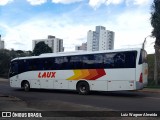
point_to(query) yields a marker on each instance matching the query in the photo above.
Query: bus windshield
(143, 57)
(13, 69)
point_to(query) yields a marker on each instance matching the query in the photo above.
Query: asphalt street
(111, 101)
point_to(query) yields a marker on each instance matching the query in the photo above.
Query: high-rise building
(101, 39)
(82, 47)
(1, 43)
(54, 43)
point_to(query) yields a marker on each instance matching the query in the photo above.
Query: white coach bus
(112, 70)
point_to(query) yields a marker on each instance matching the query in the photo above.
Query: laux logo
(46, 74)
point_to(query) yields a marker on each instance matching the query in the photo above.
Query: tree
(155, 22)
(4, 62)
(40, 48)
(6, 56)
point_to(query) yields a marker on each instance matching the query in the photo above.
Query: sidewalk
(150, 90)
(4, 80)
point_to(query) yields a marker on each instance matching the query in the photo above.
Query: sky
(22, 21)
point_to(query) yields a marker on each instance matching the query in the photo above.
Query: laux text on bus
(46, 74)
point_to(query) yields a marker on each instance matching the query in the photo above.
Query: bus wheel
(26, 86)
(83, 88)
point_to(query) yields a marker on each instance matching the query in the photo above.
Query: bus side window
(76, 62)
(58, 63)
(130, 59)
(119, 60)
(47, 63)
(88, 62)
(98, 61)
(66, 64)
(108, 60)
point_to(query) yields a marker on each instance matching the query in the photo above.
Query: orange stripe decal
(100, 73)
(87, 74)
(76, 76)
(92, 74)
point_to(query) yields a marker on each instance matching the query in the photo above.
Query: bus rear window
(143, 57)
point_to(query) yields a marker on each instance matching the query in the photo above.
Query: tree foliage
(6, 56)
(4, 62)
(155, 20)
(40, 48)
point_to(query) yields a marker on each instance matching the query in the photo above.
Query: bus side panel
(116, 85)
(46, 83)
(141, 69)
(98, 85)
(145, 74)
(14, 82)
(121, 79)
(60, 84)
(37, 81)
(72, 84)
(31, 77)
(60, 81)
(34, 83)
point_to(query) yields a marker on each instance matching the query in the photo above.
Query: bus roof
(75, 53)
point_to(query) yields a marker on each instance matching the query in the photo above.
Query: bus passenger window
(108, 60)
(88, 62)
(58, 63)
(119, 60)
(98, 61)
(76, 62)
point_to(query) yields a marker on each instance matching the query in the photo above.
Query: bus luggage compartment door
(116, 85)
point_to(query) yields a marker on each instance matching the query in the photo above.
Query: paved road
(68, 100)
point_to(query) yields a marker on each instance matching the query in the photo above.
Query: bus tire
(26, 86)
(83, 88)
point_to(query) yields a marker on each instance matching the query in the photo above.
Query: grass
(154, 87)
(151, 84)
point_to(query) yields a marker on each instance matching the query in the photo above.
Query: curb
(150, 91)
(4, 80)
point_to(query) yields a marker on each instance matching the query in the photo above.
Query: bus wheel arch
(25, 85)
(83, 87)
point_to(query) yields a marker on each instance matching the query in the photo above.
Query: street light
(143, 45)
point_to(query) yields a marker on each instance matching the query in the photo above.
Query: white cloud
(93, 3)
(130, 27)
(66, 1)
(140, 2)
(97, 3)
(4, 2)
(36, 2)
(137, 2)
(114, 1)
(40, 28)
